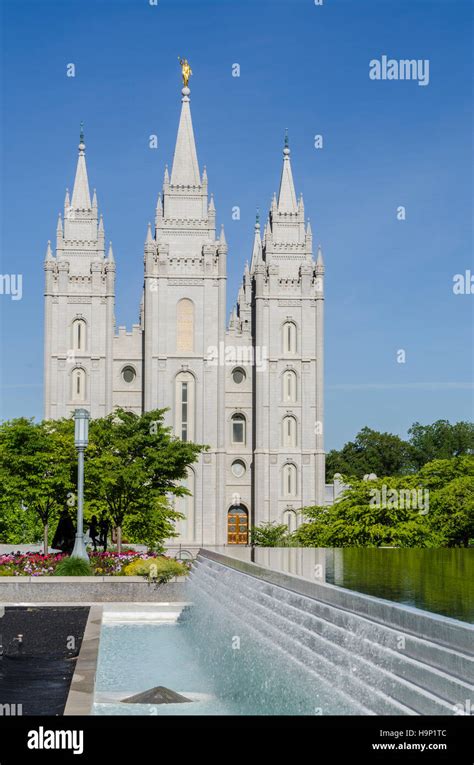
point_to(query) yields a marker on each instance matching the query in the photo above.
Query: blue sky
(389, 283)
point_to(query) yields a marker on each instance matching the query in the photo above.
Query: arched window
(289, 431)
(238, 429)
(184, 411)
(78, 385)
(289, 519)
(185, 326)
(289, 387)
(289, 337)
(289, 480)
(186, 506)
(79, 335)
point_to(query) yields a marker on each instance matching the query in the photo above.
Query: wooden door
(237, 526)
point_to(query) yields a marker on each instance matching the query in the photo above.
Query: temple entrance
(237, 525)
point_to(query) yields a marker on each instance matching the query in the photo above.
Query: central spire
(81, 199)
(185, 171)
(287, 197)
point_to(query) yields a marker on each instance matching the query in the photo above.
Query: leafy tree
(386, 454)
(18, 524)
(438, 473)
(270, 535)
(151, 524)
(370, 452)
(35, 468)
(451, 486)
(132, 463)
(364, 519)
(441, 440)
(452, 512)
(378, 513)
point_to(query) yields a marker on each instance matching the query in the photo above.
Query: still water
(439, 580)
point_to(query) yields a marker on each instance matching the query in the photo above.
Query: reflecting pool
(439, 580)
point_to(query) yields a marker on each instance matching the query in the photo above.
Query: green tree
(35, 468)
(151, 524)
(368, 516)
(132, 463)
(18, 524)
(431, 508)
(441, 440)
(451, 486)
(370, 452)
(452, 512)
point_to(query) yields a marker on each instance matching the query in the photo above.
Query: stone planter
(87, 589)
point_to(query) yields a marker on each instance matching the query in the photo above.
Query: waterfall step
(380, 646)
(323, 676)
(424, 678)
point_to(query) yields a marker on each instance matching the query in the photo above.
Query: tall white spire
(257, 245)
(185, 171)
(81, 199)
(287, 197)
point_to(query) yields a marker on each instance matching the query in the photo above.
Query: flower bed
(102, 563)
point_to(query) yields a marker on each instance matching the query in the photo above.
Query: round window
(238, 375)
(238, 468)
(128, 374)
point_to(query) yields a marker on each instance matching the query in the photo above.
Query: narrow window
(289, 387)
(289, 337)
(184, 411)
(289, 480)
(289, 519)
(289, 431)
(238, 429)
(79, 335)
(78, 385)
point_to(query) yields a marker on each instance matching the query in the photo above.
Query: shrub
(159, 569)
(73, 567)
(271, 535)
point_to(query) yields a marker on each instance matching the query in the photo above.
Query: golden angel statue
(186, 70)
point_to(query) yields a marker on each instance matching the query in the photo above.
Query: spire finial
(82, 145)
(222, 239)
(186, 70)
(149, 235)
(286, 149)
(186, 73)
(257, 220)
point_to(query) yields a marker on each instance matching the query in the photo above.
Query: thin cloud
(403, 386)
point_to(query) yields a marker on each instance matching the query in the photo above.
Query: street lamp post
(81, 439)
